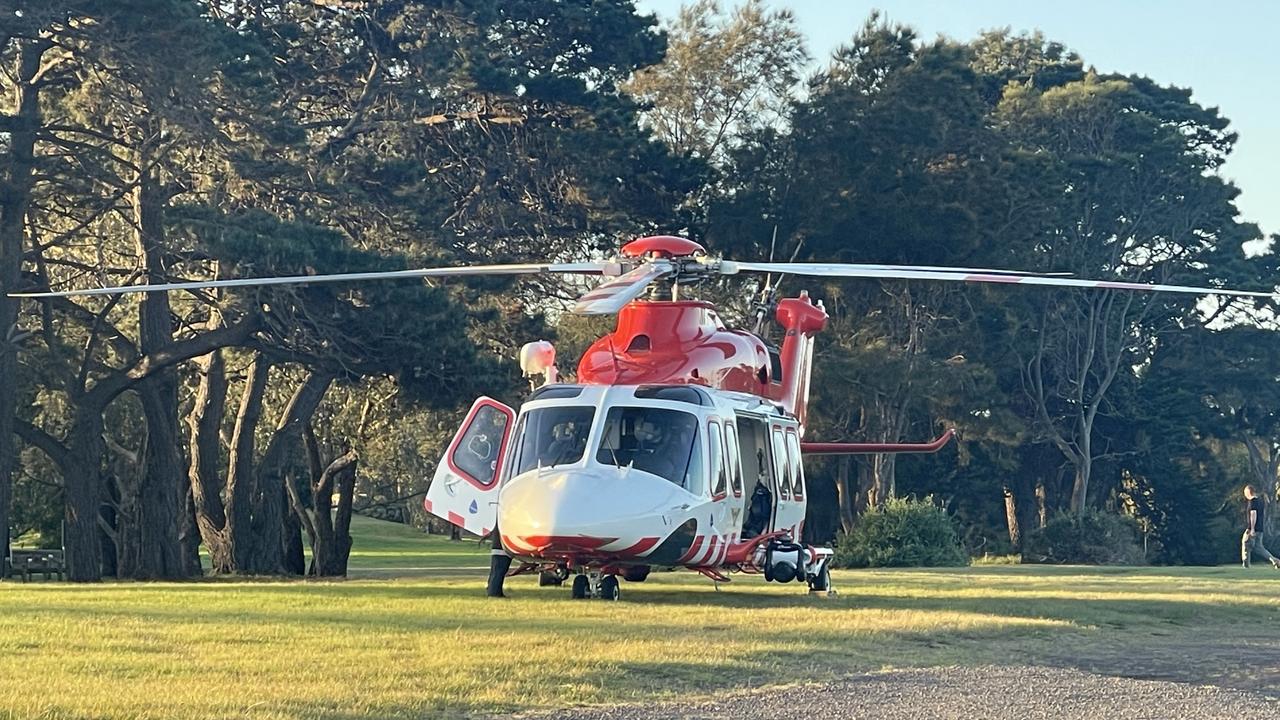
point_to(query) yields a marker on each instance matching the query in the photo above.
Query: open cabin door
(464, 490)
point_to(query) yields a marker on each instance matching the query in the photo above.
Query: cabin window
(476, 453)
(680, 393)
(781, 469)
(639, 344)
(719, 467)
(552, 436)
(733, 453)
(797, 467)
(658, 441)
(556, 392)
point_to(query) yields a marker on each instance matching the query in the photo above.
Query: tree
(1134, 164)
(888, 160)
(723, 77)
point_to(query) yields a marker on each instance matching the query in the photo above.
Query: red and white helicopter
(680, 444)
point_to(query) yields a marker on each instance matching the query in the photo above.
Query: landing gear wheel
(581, 587)
(822, 581)
(609, 589)
(550, 578)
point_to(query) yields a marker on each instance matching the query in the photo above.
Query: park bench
(29, 562)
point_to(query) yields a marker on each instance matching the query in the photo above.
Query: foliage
(902, 533)
(1093, 537)
(724, 75)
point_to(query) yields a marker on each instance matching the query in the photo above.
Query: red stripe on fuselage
(693, 550)
(711, 551)
(566, 542)
(645, 545)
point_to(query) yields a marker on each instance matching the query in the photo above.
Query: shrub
(1090, 538)
(902, 533)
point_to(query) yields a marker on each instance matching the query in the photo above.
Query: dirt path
(956, 693)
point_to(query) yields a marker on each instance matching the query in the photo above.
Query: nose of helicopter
(584, 510)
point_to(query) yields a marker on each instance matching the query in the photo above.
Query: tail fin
(801, 319)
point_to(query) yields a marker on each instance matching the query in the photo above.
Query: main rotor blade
(909, 273)
(609, 297)
(943, 268)
(588, 268)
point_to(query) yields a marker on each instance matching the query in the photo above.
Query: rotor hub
(662, 246)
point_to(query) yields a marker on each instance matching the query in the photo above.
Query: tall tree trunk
(268, 511)
(204, 425)
(161, 501)
(885, 477)
(189, 536)
(845, 494)
(82, 487)
(1080, 487)
(330, 532)
(241, 477)
(1042, 504)
(1023, 508)
(1011, 517)
(295, 559)
(16, 183)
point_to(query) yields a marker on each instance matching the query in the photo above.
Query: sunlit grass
(434, 647)
(401, 548)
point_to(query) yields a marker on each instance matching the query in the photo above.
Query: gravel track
(953, 693)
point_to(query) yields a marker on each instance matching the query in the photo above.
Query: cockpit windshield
(552, 436)
(656, 440)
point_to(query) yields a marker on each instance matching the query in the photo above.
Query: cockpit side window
(719, 467)
(794, 462)
(659, 441)
(733, 456)
(552, 436)
(781, 469)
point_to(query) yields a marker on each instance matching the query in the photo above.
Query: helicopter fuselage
(680, 446)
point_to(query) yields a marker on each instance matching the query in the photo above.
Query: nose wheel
(595, 585)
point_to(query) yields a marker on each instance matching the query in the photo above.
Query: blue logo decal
(474, 508)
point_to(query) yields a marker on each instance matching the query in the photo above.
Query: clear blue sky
(1226, 52)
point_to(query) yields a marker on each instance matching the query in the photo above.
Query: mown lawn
(432, 646)
(391, 548)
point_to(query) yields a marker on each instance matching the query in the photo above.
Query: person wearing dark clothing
(758, 512)
(1251, 542)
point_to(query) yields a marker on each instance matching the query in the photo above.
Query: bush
(902, 533)
(1090, 538)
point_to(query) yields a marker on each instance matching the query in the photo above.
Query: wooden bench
(29, 562)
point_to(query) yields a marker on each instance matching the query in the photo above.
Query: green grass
(387, 547)
(413, 647)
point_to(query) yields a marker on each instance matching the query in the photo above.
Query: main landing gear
(556, 577)
(595, 585)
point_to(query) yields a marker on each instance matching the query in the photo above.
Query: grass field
(431, 646)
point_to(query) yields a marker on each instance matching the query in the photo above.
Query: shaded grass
(433, 647)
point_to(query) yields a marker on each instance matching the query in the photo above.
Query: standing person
(1251, 542)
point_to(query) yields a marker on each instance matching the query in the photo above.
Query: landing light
(539, 358)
